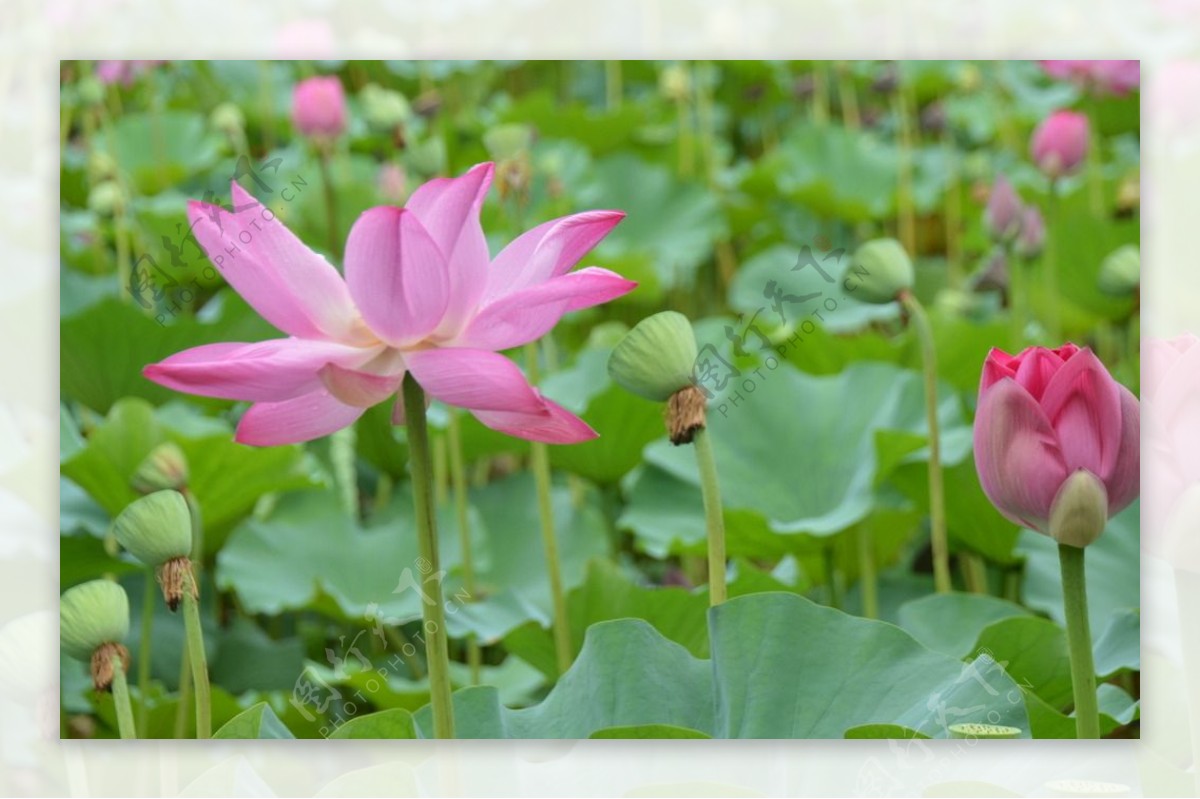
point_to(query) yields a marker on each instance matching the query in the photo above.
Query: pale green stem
(120, 692)
(820, 95)
(437, 651)
(714, 520)
(974, 572)
(195, 654)
(612, 84)
(458, 480)
(335, 244)
(144, 651)
(342, 455)
(185, 693)
(1079, 641)
(906, 210)
(866, 568)
(540, 465)
(937, 491)
(1050, 265)
(829, 563)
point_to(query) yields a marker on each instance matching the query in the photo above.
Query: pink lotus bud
(319, 107)
(1060, 143)
(393, 183)
(1003, 214)
(1044, 416)
(1032, 237)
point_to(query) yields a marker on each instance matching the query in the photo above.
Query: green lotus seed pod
(228, 118)
(156, 528)
(655, 359)
(508, 141)
(91, 614)
(881, 269)
(165, 467)
(983, 731)
(384, 109)
(1121, 271)
(1079, 512)
(106, 198)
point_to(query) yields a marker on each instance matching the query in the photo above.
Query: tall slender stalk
(866, 571)
(185, 667)
(437, 652)
(937, 491)
(335, 243)
(1050, 264)
(714, 520)
(1079, 641)
(612, 85)
(906, 210)
(847, 96)
(196, 657)
(458, 480)
(120, 692)
(150, 590)
(540, 465)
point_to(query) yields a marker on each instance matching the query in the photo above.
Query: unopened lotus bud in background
(1060, 143)
(1003, 214)
(165, 467)
(319, 108)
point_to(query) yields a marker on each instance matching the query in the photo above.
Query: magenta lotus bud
(319, 107)
(1060, 143)
(1032, 236)
(1003, 214)
(1044, 416)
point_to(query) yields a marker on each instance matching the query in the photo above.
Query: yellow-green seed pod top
(656, 358)
(983, 731)
(1121, 271)
(156, 528)
(92, 614)
(880, 271)
(165, 467)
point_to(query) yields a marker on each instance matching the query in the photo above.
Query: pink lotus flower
(1060, 143)
(420, 295)
(319, 107)
(1044, 415)
(1109, 77)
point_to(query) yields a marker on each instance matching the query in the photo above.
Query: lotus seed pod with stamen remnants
(656, 358)
(880, 271)
(156, 528)
(90, 615)
(165, 467)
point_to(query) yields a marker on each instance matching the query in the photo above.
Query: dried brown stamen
(685, 414)
(102, 664)
(175, 576)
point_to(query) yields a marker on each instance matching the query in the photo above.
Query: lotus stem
(458, 480)
(937, 491)
(904, 200)
(1050, 263)
(849, 100)
(196, 657)
(324, 158)
(540, 465)
(866, 568)
(149, 591)
(437, 652)
(612, 84)
(1079, 641)
(714, 520)
(120, 692)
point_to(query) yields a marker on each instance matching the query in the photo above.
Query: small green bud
(983, 731)
(880, 271)
(90, 615)
(656, 358)
(102, 166)
(156, 528)
(1080, 510)
(106, 198)
(674, 82)
(91, 90)
(383, 108)
(508, 141)
(165, 467)
(228, 118)
(1121, 271)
